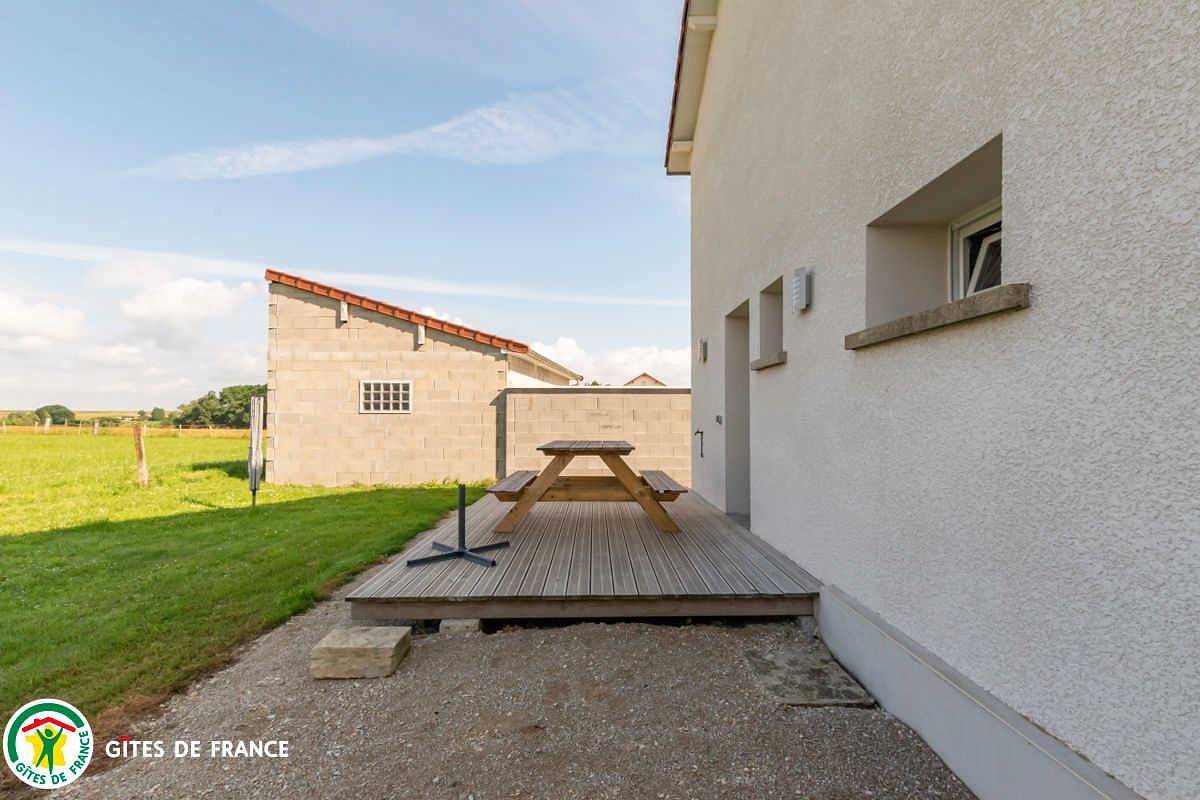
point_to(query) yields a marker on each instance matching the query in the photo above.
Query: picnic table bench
(526, 487)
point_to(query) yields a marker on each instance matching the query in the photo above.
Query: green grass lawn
(110, 593)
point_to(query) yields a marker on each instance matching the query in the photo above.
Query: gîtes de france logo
(47, 743)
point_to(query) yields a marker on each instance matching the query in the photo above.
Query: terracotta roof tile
(378, 306)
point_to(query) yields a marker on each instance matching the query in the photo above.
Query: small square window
(975, 252)
(385, 397)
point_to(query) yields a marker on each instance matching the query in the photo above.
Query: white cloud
(119, 354)
(116, 267)
(29, 326)
(430, 311)
(522, 129)
(671, 366)
(185, 300)
(246, 364)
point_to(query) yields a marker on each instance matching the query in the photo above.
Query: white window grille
(385, 397)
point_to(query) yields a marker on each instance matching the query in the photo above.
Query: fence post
(46, 425)
(139, 447)
(95, 426)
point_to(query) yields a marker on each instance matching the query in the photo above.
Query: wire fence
(88, 428)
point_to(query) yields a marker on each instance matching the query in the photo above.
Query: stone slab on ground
(801, 672)
(359, 652)
(460, 626)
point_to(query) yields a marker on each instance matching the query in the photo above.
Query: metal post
(471, 554)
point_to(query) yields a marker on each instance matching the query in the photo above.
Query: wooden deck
(578, 560)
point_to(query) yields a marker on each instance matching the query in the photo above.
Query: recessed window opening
(941, 243)
(975, 251)
(385, 397)
(770, 320)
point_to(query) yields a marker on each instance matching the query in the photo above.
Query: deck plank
(559, 572)
(579, 582)
(737, 581)
(733, 541)
(539, 566)
(509, 583)
(624, 579)
(463, 575)
(588, 560)
(602, 574)
(669, 582)
(643, 569)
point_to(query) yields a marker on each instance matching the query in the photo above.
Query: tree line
(228, 408)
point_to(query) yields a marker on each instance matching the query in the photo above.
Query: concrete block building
(362, 391)
(945, 281)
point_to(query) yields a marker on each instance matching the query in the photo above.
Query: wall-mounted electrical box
(703, 350)
(801, 289)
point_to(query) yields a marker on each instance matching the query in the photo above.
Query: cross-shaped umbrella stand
(461, 551)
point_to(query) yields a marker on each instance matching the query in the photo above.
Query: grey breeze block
(361, 652)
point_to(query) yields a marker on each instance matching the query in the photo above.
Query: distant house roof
(380, 307)
(432, 323)
(645, 379)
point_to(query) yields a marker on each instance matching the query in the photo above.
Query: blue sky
(497, 162)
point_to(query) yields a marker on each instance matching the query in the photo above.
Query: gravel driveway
(588, 711)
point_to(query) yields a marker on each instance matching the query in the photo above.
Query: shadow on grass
(103, 613)
(234, 469)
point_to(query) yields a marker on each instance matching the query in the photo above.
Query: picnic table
(650, 489)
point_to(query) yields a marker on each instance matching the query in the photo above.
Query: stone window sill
(773, 360)
(1007, 297)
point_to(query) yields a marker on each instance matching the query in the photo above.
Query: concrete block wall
(316, 434)
(657, 421)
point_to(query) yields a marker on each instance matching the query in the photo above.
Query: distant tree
(58, 414)
(201, 411)
(228, 409)
(21, 418)
(158, 414)
(143, 416)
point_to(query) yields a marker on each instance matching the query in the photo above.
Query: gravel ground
(588, 711)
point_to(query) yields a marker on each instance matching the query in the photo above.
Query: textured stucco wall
(1019, 494)
(656, 421)
(316, 434)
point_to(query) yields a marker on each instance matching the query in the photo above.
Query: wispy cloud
(126, 267)
(522, 129)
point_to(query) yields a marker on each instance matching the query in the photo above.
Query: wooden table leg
(533, 493)
(641, 493)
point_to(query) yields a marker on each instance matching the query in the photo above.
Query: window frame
(959, 281)
(406, 390)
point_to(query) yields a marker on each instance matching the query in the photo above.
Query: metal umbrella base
(469, 553)
(461, 551)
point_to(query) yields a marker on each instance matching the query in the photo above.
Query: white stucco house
(946, 317)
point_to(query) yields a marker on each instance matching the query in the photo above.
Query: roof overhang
(387, 309)
(536, 358)
(696, 31)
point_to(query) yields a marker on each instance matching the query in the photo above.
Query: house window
(975, 252)
(385, 397)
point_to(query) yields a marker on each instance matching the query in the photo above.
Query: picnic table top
(586, 447)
